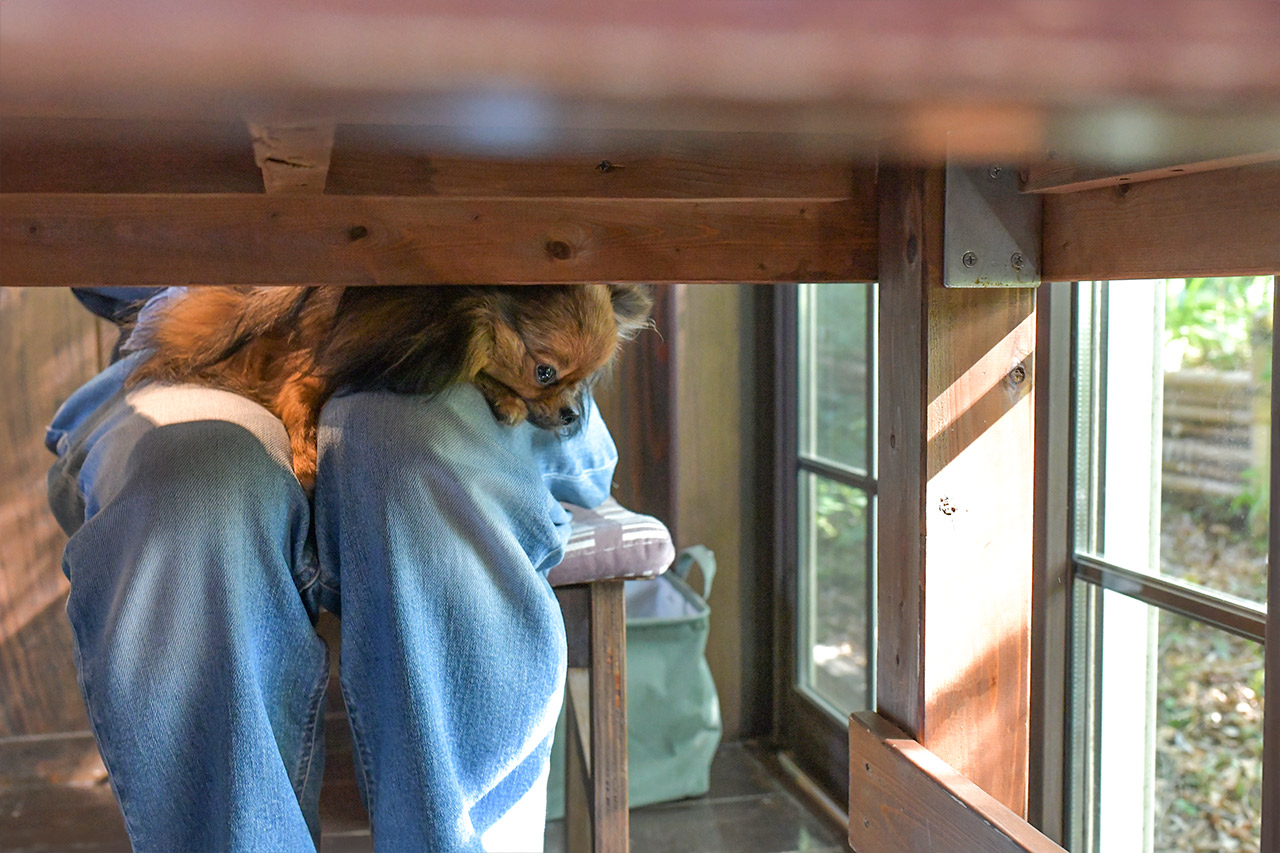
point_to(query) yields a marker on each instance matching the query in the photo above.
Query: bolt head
(994, 172)
(969, 259)
(1018, 260)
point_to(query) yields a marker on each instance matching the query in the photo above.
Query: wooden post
(956, 499)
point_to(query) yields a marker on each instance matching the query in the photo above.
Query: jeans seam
(311, 581)
(308, 733)
(131, 828)
(361, 752)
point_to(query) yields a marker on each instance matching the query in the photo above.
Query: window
(827, 519)
(1172, 440)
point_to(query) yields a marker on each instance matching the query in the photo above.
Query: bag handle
(706, 560)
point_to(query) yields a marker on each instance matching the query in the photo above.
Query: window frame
(805, 729)
(1058, 661)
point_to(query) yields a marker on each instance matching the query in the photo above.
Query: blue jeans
(198, 567)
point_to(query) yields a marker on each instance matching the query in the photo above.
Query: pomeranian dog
(530, 350)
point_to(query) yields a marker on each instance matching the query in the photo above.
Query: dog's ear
(483, 315)
(631, 306)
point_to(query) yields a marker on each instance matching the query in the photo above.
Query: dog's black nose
(568, 416)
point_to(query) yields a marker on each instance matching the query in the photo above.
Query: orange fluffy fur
(530, 350)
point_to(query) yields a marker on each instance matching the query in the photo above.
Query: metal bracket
(991, 231)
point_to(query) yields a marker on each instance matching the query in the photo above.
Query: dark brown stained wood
(156, 156)
(911, 206)
(531, 74)
(608, 680)
(596, 743)
(905, 798)
(48, 347)
(577, 777)
(1225, 222)
(125, 156)
(405, 160)
(1055, 175)
(956, 452)
(245, 239)
(638, 402)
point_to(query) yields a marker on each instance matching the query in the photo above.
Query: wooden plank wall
(683, 409)
(49, 345)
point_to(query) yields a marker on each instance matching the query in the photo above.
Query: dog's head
(538, 348)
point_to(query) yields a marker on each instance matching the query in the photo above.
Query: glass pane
(1178, 750)
(833, 372)
(834, 649)
(1175, 434)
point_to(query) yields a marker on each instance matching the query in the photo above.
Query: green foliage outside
(834, 426)
(1226, 324)
(1209, 711)
(1216, 322)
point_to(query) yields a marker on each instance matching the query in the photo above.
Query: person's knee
(212, 469)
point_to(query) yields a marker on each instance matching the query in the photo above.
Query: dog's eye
(546, 374)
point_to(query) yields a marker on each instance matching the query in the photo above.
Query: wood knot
(559, 249)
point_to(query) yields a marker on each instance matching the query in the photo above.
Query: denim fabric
(198, 566)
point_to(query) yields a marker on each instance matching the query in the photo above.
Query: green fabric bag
(673, 712)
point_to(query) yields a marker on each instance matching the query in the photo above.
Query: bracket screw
(994, 172)
(1017, 260)
(969, 259)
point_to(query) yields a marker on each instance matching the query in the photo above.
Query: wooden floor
(747, 810)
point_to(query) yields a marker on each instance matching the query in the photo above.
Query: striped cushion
(612, 542)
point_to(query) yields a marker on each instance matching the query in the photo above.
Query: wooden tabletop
(1113, 81)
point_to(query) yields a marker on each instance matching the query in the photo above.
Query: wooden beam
(293, 156)
(903, 797)
(955, 519)
(39, 155)
(119, 156)
(1212, 223)
(1055, 175)
(49, 239)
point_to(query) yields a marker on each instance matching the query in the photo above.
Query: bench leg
(596, 747)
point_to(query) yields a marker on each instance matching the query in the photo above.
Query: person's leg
(440, 524)
(189, 565)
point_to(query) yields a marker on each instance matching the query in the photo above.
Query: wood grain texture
(126, 156)
(155, 156)
(956, 451)
(608, 680)
(979, 520)
(1212, 223)
(905, 799)
(409, 160)
(48, 347)
(1055, 175)
(911, 208)
(596, 742)
(49, 239)
(293, 156)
